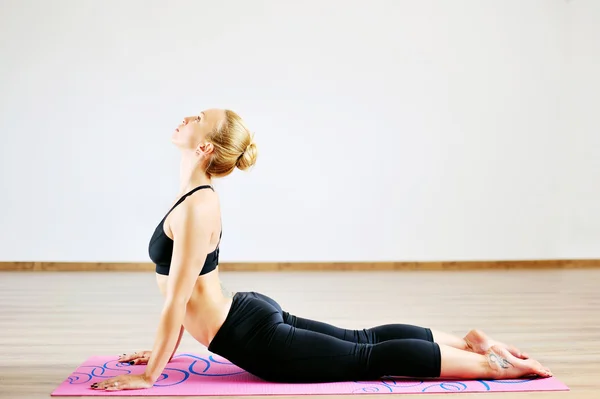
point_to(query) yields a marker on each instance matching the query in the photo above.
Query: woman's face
(194, 129)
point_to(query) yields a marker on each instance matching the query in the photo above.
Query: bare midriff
(207, 308)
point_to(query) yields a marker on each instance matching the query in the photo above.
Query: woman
(250, 329)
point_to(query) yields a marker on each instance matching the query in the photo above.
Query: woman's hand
(139, 357)
(136, 358)
(126, 381)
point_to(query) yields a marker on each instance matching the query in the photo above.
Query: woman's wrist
(149, 377)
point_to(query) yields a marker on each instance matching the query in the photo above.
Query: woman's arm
(178, 342)
(191, 244)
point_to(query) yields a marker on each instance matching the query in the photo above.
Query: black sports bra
(161, 246)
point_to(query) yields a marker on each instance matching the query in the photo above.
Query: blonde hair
(233, 147)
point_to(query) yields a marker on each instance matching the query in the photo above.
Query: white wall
(580, 207)
(388, 130)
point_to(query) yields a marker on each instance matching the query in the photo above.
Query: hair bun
(248, 158)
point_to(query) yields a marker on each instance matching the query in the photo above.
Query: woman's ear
(204, 149)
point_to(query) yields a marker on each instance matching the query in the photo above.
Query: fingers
(134, 358)
(126, 358)
(140, 360)
(122, 382)
(116, 387)
(131, 356)
(111, 384)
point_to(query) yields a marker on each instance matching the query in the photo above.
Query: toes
(543, 372)
(537, 369)
(517, 353)
(547, 372)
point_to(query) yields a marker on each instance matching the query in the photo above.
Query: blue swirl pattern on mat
(175, 378)
(74, 379)
(102, 371)
(208, 364)
(172, 375)
(393, 385)
(386, 385)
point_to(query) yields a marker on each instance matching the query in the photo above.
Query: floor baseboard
(314, 266)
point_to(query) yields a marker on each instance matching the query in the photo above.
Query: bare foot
(480, 343)
(507, 366)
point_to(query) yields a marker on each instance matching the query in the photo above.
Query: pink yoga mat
(190, 374)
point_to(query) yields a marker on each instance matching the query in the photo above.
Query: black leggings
(261, 338)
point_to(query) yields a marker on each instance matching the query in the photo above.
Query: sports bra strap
(183, 197)
(187, 195)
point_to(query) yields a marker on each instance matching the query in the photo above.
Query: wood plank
(314, 266)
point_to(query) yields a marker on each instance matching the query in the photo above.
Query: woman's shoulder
(199, 208)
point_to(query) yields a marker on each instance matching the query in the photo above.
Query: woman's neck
(191, 174)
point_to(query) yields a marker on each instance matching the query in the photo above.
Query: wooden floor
(50, 322)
